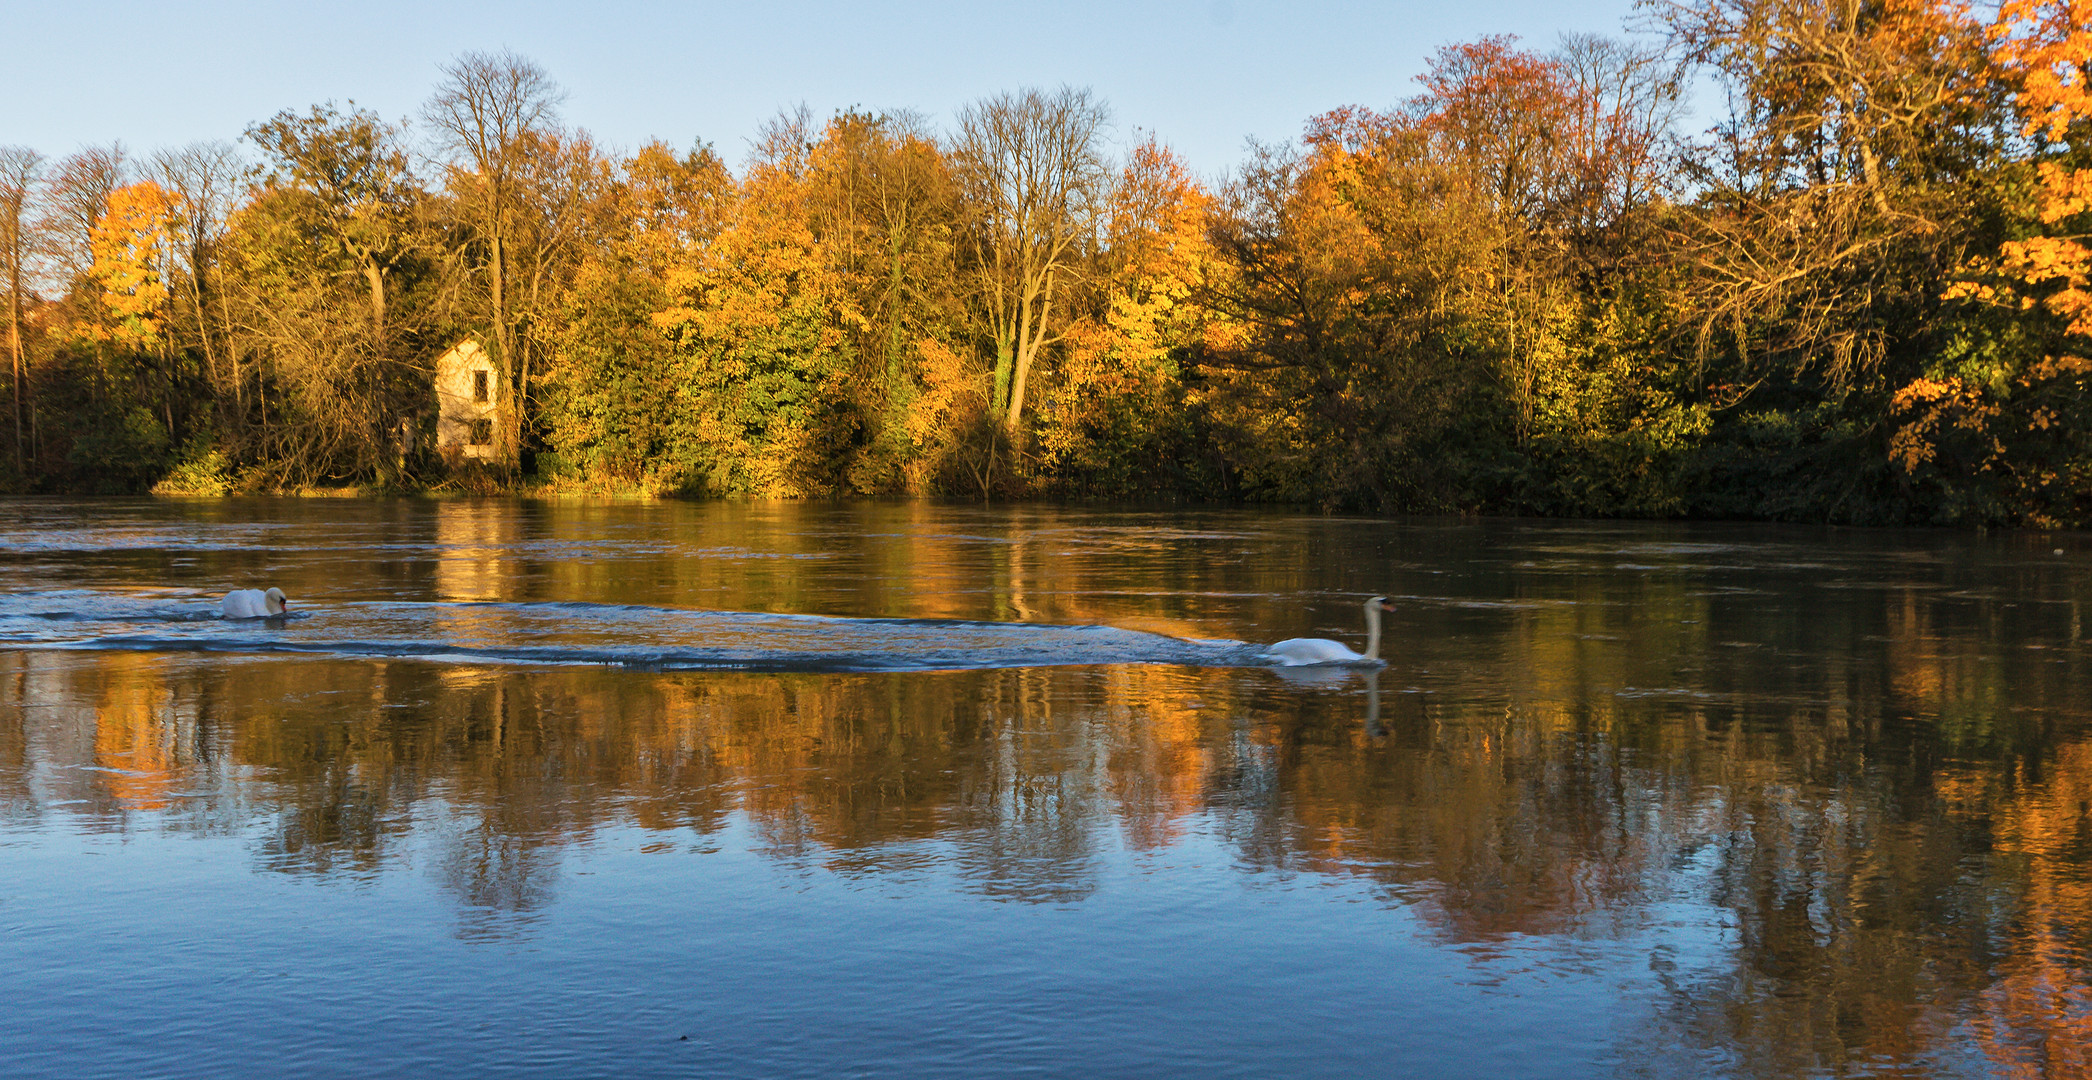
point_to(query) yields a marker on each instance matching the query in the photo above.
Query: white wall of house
(468, 405)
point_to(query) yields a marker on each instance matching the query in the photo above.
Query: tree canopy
(1858, 295)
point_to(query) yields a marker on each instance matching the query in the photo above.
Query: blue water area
(714, 956)
(668, 790)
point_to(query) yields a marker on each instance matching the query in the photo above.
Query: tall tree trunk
(203, 322)
(374, 276)
(1005, 357)
(1027, 354)
(497, 282)
(14, 344)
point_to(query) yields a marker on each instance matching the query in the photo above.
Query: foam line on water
(570, 632)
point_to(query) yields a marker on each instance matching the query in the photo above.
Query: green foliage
(762, 409)
(119, 450)
(609, 404)
(1502, 295)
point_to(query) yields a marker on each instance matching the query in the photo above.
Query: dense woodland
(1852, 286)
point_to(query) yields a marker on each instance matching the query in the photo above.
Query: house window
(482, 432)
(479, 385)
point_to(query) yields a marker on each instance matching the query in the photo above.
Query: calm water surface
(779, 790)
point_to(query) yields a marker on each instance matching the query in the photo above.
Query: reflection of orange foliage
(2037, 1015)
(1161, 764)
(132, 738)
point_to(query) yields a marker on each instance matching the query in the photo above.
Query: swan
(1295, 652)
(253, 603)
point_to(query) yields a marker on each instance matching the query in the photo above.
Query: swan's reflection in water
(1339, 676)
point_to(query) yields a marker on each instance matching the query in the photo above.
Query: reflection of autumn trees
(1855, 819)
(1840, 809)
(345, 758)
(138, 736)
(2035, 1020)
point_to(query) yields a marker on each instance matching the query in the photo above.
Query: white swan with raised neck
(1296, 652)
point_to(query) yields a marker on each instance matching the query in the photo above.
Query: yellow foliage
(951, 382)
(761, 321)
(130, 245)
(1118, 361)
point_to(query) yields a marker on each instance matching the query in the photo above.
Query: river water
(735, 789)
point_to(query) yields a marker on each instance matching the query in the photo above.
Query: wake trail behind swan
(567, 632)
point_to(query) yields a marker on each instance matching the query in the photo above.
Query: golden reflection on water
(1870, 808)
(1877, 893)
(472, 541)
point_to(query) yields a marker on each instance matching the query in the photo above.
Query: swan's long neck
(1372, 630)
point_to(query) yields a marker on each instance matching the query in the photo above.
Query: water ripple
(623, 635)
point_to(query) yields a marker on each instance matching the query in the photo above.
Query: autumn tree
(489, 112)
(1031, 167)
(20, 168)
(132, 244)
(77, 195)
(883, 208)
(335, 232)
(119, 326)
(609, 401)
(1627, 99)
(1119, 412)
(349, 171)
(764, 327)
(1824, 192)
(1504, 126)
(564, 209)
(203, 180)
(2019, 414)
(1343, 382)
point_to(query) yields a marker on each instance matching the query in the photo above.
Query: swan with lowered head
(1295, 652)
(253, 603)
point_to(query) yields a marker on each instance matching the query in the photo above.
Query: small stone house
(469, 404)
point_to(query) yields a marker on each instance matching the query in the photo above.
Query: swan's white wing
(244, 604)
(1293, 652)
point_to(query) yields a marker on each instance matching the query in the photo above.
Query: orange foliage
(674, 205)
(1938, 403)
(2042, 45)
(129, 259)
(2046, 44)
(2062, 262)
(1117, 365)
(952, 384)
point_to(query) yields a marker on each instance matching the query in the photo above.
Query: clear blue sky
(1204, 74)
